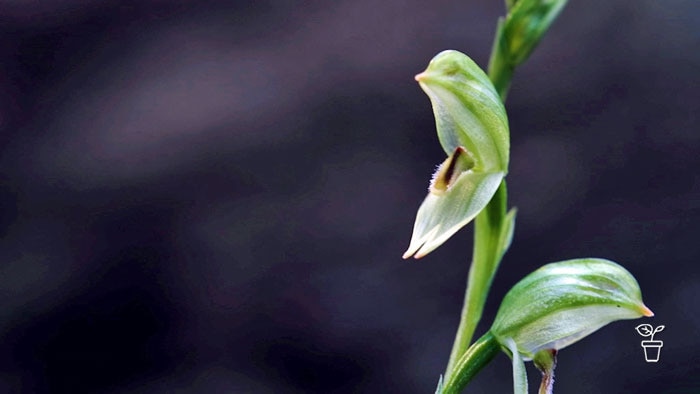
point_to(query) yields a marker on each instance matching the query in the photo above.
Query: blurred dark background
(213, 196)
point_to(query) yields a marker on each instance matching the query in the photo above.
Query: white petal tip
(414, 251)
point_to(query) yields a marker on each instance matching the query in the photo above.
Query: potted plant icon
(652, 348)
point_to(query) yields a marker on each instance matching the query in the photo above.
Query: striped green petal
(563, 302)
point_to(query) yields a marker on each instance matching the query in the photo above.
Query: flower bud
(525, 25)
(560, 303)
(473, 130)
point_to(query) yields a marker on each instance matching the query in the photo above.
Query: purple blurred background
(213, 196)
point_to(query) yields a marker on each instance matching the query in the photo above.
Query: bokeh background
(213, 196)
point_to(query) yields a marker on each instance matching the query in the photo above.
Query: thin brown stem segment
(546, 361)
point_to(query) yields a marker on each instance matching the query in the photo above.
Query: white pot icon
(652, 348)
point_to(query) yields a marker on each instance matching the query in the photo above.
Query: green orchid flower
(560, 303)
(548, 310)
(472, 127)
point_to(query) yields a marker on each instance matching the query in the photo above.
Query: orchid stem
(488, 227)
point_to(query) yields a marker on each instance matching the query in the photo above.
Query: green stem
(486, 257)
(500, 69)
(488, 229)
(472, 361)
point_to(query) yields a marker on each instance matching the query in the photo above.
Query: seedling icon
(652, 348)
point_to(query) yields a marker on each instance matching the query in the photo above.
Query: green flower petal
(440, 216)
